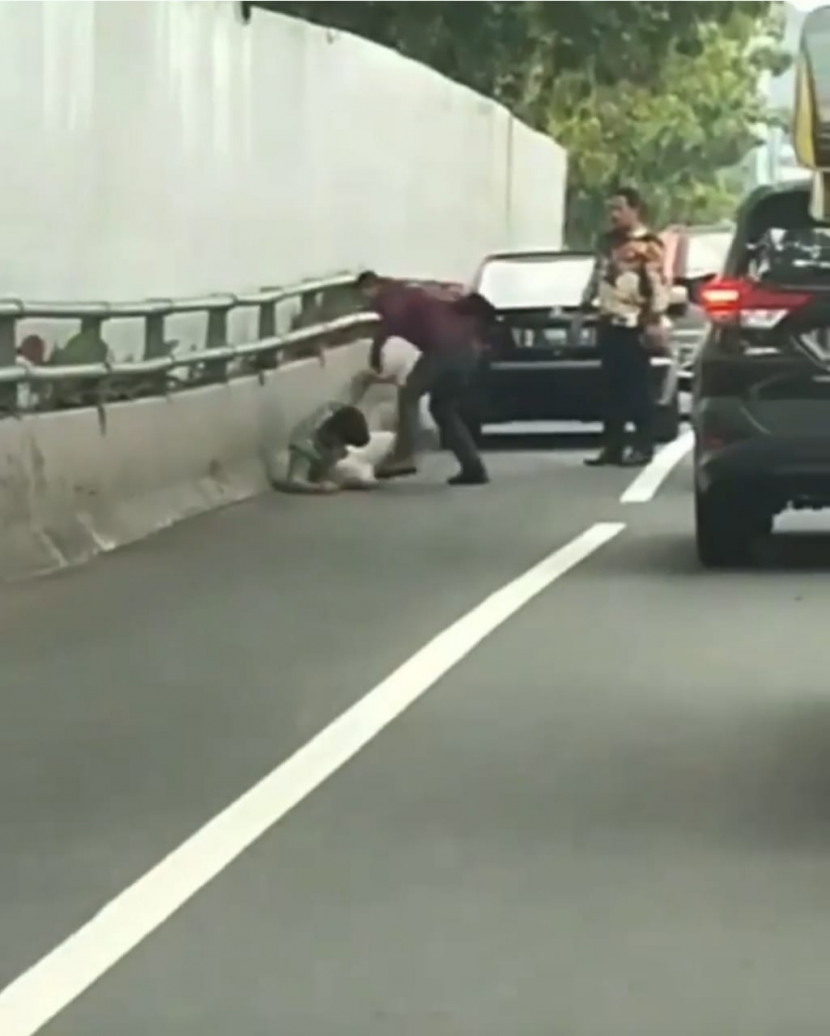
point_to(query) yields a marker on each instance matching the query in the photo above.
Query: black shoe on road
(471, 478)
(638, 459)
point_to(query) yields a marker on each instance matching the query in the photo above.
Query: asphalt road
(611, 819)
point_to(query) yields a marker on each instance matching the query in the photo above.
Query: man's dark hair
(631, 196)
(348, 426)
(367, 279)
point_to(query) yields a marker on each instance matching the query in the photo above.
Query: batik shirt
(628, 281)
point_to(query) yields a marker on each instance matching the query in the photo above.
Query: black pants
(447, 378)
(626, 367)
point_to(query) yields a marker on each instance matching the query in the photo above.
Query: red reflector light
(736, 301)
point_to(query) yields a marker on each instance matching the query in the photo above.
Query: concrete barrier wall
(169, 149)
(72, 486)
(166, 148)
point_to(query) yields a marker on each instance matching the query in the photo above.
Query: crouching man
(331, 451)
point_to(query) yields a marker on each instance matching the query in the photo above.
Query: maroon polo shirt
(429, 323)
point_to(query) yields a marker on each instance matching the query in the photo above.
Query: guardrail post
(8, 341)
(8, 358)
(217, 329)
(267, 320)
(267, 328)
(92, 326)
(308, 308)
(155, 345)
(217, 338)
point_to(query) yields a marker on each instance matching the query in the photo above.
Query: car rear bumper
(559, 390)
(789, 468)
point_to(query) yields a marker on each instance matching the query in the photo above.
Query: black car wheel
(667, 421)
(727, 525)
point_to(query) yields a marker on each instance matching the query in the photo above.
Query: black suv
(761, 390)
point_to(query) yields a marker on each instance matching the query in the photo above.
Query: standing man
(450, 359)
(629, 285)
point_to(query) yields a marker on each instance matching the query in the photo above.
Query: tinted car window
(780, 239)
(793, 256)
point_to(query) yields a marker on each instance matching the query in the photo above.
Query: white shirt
(397, 360)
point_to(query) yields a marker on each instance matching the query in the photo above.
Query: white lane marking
(56, 981)
(649, 482)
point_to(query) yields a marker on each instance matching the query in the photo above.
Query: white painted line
(649, 482)
(55, 982)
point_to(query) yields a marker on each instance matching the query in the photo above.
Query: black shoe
(471, 478)
(638, 459)
(606, 459)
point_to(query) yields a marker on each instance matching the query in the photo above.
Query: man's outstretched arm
(378, 342)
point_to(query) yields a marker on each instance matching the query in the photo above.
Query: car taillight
(750, 305)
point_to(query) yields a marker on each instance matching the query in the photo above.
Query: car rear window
(793, 256)
(535, 283)
(784, 244)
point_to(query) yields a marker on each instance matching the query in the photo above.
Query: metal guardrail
(158, 364)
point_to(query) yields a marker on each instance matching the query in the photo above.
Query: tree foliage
(496, 48)
(679, 138)
(661, 94)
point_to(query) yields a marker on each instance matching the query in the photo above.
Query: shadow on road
(787, 552)
(673, 554)
(765, 782)
(562, 442)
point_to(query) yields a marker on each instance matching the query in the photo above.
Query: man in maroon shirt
(445, 335)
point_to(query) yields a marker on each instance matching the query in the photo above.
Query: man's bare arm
(376, 352)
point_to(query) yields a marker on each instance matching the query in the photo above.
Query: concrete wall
(166, 148)
(72, 486)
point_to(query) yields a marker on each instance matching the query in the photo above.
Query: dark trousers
(626, 368)
(447, 377)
